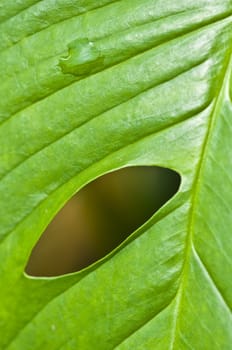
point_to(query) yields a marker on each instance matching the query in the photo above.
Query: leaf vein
(213, 283)
(106, 111)
(202, 159)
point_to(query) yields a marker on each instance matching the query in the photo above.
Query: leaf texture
(88, 87)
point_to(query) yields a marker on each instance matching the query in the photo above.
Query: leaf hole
(100, 217)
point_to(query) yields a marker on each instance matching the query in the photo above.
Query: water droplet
(83, 58)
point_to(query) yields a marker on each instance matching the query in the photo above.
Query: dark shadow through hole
(99, 217)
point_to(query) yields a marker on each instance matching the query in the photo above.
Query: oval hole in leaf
(99, 217)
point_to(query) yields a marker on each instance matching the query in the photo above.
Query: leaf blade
(134, 140)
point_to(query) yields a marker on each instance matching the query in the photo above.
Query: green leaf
(144, 83)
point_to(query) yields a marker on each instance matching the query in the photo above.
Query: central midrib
(225, 76)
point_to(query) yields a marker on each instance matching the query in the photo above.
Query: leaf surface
(88, 87)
